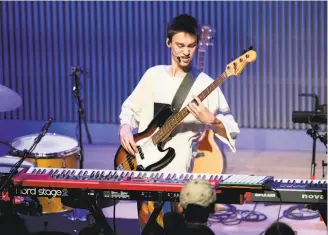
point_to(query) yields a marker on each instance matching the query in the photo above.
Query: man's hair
(183, 23)
(279, 228)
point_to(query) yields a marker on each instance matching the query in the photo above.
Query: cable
(289, 213)
(279, 196)
(233, 216)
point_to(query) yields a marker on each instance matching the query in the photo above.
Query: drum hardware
(14, 170)
(76, 90)
(78, 157)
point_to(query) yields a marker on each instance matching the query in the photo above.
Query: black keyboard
(293, 191)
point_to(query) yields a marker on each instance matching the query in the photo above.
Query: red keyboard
(107, 179)
(123, 185)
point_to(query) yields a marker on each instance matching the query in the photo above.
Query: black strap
(184, 89)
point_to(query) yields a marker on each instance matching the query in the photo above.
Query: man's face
(184, 46)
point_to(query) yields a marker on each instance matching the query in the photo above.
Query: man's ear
(168, 44)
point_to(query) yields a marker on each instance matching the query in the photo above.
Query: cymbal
(9, 99)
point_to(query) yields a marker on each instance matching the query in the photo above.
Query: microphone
(75, 69)
(46, 126)
(44, 131)
(178, 57)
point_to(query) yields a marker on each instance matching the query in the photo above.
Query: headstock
(206, 38)
(237, 66)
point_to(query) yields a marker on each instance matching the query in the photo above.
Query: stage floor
(292, 165)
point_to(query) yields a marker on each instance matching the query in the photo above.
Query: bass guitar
(209, 158)
(151, 155)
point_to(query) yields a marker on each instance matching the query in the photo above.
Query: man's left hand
(200, 111)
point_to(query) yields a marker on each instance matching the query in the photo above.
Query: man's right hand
(127, 140)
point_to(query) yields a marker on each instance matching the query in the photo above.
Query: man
(197, 199)
(158, 87)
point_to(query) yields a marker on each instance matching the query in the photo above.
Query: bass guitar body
(150, 157)
(209, 158)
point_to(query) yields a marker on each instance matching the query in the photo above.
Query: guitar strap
(184, 89)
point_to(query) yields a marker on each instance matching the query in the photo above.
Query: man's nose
(186, 51)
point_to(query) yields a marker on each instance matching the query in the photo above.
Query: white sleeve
(218, 105)
(132, 106)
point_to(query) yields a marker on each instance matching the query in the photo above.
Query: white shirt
(158, 86)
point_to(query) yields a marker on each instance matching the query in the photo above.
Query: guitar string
(169, 125)
(160, 135)
(221, 78)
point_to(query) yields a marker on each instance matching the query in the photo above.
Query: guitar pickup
(140, 152)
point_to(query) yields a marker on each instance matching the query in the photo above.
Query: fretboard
(201, 60)
(175, 119)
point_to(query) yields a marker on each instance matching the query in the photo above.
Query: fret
(201, 60)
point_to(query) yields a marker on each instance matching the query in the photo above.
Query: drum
(53, 151)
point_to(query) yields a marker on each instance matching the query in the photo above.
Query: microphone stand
(313, 133)
(79, 213)
(323, 139)
(8, 185)
(77, 91)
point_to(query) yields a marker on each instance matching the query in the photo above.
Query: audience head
(197, 198)
(279, 228)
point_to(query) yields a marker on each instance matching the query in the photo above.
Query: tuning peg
(212, 30)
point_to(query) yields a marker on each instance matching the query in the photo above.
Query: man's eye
(180, 46)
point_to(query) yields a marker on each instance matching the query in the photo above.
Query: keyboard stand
(323, 212)
(100, 219)
(82, 202)
(150, 225)
(322, 209)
